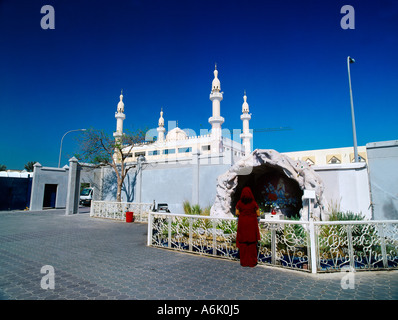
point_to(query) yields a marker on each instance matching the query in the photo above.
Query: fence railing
(311, 246)
(363, 245)
(117, 210)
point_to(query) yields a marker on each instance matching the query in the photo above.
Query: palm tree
(29, 166)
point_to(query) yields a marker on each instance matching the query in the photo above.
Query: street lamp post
(349, 61)
(60, 149)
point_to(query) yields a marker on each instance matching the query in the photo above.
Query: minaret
(120, 116)
(245, 117)
(161, 128)
(216, 120)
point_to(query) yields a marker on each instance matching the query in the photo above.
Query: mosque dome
(176, 134)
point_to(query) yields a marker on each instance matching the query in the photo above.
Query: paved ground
(104, 259)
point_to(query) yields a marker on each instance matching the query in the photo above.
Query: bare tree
(101, 149)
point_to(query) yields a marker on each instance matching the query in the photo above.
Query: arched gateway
(275, 179)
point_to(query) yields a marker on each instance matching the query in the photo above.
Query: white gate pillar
(73, 195)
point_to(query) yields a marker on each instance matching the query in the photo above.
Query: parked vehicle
(86, 195)
(163, 207)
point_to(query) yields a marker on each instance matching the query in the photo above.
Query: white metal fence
(117, 210)
(311, 246)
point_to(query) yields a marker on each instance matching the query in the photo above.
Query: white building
(329, 156)
(177, 145)
(178, 167)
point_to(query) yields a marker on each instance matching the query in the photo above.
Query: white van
(86, 195)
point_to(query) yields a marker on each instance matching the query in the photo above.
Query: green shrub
(345, 216)
(187, 207)
(195, 209)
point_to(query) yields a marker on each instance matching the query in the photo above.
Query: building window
(334, 160)
(360, 158)
(184, 150)
(206, 148)
(169, 151)
(310, 161)
(153, 153)
(137, 154)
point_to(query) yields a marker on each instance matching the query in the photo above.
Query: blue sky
(290, 57)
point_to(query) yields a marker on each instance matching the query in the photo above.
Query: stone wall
(48, 175)
(383, 175)
(172, 183)
(66, 182)
(346, 187)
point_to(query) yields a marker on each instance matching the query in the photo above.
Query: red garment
(248, 232)
(248, 254)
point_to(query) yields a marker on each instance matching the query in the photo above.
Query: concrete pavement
(108, 260)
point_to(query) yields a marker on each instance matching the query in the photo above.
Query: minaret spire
(161, 129)
(216, 120)
(245, 117)
(245, 105)
(120, 116)
(161, 120)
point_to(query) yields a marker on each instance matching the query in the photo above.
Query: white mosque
(210, 169)
(177, 145)
(177, 167)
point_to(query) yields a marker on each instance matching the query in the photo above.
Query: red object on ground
(129, 216)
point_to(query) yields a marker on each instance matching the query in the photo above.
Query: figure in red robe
(248, 232)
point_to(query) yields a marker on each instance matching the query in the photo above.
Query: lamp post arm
(60, 149)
